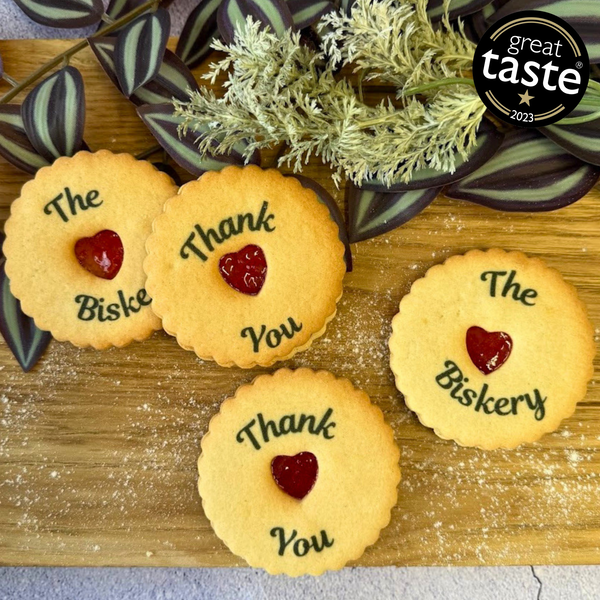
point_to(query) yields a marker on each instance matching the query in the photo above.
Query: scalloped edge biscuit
(21, 286)
(263, 390)
(165, 306)
(427, 411)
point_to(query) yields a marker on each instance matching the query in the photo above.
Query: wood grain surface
(98, 449)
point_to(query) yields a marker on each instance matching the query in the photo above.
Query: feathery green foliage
(278, 90)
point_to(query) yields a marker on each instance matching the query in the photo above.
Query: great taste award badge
(531, 69)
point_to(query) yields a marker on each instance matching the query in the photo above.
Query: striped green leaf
(583, 140)
(274, 14)
(346, 6)
(15, 146)
(54, 114)
(104, 49)
(334, 210)
(140, 49)
(477, 23)
(582, 15)
(173, 80)
(373, 213)
(307, 12)
(457, 8)
(163, 125)
(489, 139)
(25, 340)
(198, 33)
(528, 173)
(63, 13)
(118, 8)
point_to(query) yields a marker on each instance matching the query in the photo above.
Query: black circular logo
(531, 69)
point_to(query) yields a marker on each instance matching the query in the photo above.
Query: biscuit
(492, 349)
(298, 472)
(75, 244)
(245, 266)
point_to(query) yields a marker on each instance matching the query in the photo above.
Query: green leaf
(54, 114)
(372, 213)
(119, 8)
(173, 80)
(163, 125)
(489, 139)
(104, 50)
(582, 15)
(15, 146)
(198, 33)
(334, 210)
(63, 13)
(307, 12)
(274, 14)
(346, 6)
(528, 173)
(140, 49)
(583, 141)
(457, 8)
(26, 341)
(476, 24)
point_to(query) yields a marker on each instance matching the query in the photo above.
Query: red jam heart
(245, 270)
(101, 255)
(295, 475)
(488, 350)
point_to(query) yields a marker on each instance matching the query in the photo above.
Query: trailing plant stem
(78, 47)
(10, 80)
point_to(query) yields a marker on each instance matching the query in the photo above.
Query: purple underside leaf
(198, 33)
(54, 114)
(25, 340)
(173, 80)
(457, 8)
(334, 210)
(308, 12)
(274, 14)
(15, 146)
(582, 15)
(529, 173)
(489, 139)
(372, 213)
(163, 125)
(63, 13)
(140, 49)
(583, 140)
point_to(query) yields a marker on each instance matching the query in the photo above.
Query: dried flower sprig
(279, 91)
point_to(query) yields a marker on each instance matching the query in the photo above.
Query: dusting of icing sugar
(114, 473)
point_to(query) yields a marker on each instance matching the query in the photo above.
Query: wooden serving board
(98, 449)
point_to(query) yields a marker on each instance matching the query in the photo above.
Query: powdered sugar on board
(98, 450)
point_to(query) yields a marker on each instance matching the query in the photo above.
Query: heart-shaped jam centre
(245, 270)
(295, 475)
(488, 350)
(101, 255)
